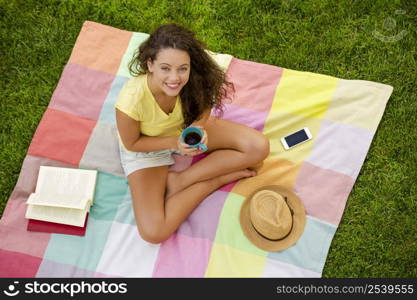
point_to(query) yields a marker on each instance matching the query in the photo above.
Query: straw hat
(272, 218)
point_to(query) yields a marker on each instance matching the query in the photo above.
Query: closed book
(51, 227)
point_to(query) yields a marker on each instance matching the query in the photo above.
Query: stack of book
(61, 201)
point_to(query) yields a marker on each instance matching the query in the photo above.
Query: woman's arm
(129, 131)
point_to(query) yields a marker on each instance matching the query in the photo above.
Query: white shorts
(133, 161)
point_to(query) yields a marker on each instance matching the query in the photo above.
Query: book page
(69, 216)
(75, 183)
(58, 200)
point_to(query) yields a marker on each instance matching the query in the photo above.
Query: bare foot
(257, 167)
(233, 176)
(174, 184)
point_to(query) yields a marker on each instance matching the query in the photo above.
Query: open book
(62, 195)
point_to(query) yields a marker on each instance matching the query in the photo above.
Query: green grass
(378, 233)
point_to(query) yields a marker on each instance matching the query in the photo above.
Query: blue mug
(192, 136)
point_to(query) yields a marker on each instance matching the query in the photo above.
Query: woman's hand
(186, 150)
(204, 140)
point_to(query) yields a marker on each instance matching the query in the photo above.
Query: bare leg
(156, 217)
(233, 147)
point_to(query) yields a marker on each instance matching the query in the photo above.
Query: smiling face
(169, 72)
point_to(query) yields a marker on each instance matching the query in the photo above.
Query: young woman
(176, 84)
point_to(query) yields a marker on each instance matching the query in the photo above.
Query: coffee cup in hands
(192, 136)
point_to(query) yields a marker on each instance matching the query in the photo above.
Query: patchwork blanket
(78, 130)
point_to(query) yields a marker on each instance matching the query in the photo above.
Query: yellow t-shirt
(136, 100)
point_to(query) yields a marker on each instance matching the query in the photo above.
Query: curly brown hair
(207, 85)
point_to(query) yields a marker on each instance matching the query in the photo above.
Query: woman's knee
(257, 147)
(150, 224)
(153, 233)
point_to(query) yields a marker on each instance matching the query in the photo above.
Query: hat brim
(299, 220)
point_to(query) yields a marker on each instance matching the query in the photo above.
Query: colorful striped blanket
(78, 130)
